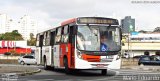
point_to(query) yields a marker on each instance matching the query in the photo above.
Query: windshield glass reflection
(98, 38)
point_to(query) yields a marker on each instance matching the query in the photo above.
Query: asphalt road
(89, 75)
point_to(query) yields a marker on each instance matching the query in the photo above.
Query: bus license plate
(100, 65)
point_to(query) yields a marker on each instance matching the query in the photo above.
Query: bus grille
(93, 60)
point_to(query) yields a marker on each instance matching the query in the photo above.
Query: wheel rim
(22, 63)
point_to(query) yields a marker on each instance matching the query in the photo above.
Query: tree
(1, 36)
(32, 40)
(7, 54)
(142, 31)
(14, 35)
(157, 29)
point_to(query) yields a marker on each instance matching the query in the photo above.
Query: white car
(27, 59)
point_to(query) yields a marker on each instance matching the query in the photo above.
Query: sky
(50, 13)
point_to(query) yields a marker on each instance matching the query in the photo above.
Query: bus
(76, 44)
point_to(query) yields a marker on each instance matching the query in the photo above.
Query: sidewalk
(153, 68)
(18, 69)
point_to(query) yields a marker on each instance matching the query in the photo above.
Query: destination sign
(97, 20)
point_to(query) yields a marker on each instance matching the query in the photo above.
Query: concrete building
(6, 23)
(128, 24)
(141, 43)
(27, 25)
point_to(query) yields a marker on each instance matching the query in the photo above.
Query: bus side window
(41, 40)
(58, 36)
(44, 39)
(47, 40)
(65, 36)
(52, 39)
(62, 35)
(37, 40)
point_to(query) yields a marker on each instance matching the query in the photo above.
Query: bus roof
(68, 21)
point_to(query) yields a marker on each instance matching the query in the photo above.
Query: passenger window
(37, 40)
(65, 36)
(48, 38)
(44, 39)
(66, 29)
(52, 39)
(58, 36)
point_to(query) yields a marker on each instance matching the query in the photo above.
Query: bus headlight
(118, 56)
(79, 55)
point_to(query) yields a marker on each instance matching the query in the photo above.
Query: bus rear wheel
(104, 71)
(67, 70)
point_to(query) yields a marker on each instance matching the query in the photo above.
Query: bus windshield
(98, 38)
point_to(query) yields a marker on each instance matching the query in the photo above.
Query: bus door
(72, 30)
(56, 48)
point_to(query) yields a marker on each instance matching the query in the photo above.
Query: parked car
(149, 60)
(27, 59)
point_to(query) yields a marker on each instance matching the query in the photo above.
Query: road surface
(88, 75)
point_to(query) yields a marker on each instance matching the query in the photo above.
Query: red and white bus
(76, 44)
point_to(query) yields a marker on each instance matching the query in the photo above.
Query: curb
(142, 68)
(15, 75)
(28, 73)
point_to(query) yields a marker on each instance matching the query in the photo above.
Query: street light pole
(128, 45)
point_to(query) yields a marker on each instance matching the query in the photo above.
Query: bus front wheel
(104, 71)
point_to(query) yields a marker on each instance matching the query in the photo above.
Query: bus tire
(104, 71)
(65, 61)
(45, 64)
(22, 63)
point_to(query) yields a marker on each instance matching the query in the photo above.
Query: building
(128, 24)
(6, 23)
(26, 26)
(141, 43)
(18, 46)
